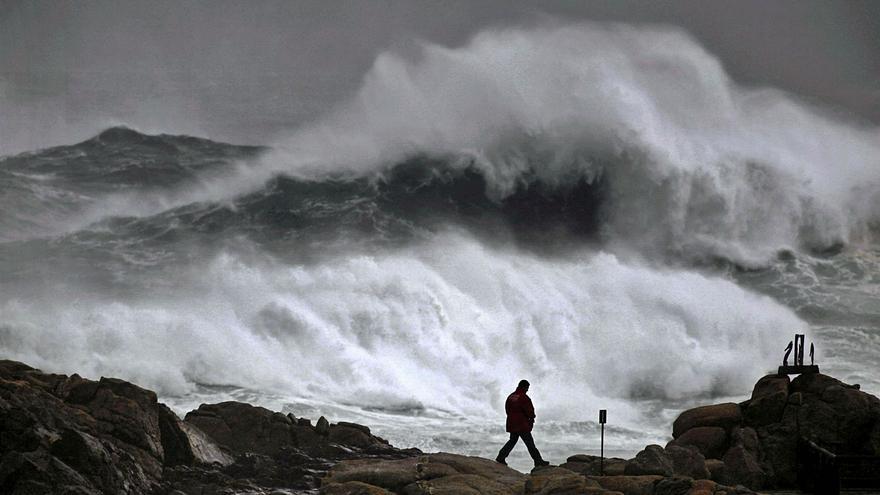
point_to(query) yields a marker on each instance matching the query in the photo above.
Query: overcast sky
(245, 70)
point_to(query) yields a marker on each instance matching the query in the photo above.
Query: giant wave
(597, 207)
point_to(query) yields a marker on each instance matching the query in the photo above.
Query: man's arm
(529, 409)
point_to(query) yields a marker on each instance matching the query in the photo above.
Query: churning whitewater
(595, 207)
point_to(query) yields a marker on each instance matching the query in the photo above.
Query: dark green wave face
(122, 158)
(294, 219)
(43, 192)
(57, 215)
(127, 188)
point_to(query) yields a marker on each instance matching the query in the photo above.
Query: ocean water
(598, 209)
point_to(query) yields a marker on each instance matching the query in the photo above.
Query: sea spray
(446, 326)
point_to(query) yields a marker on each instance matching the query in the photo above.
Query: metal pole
(603, 415)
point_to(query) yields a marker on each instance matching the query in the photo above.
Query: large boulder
(127, 413)
(198, 448)
(724, 416)
(874, 438)
(711, 441)
(354, 435)
(434, 473)
(770, 385)
(38, 473)
(778, 454)
(768, 401)
(594, 465)
(741, 468)
(653, 460)
(322, 426)
(687, 461)
(96, 459)
(716, 470)
(747, 437)
(630, 485)
(813, 383)
(557, 480)
(476, 465)
(464, 484)
(388, 474)
(835, 414)
(674, 486)
(241, 427)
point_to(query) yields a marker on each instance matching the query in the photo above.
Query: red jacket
(520, 412)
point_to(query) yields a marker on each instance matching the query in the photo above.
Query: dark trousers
(527, 439)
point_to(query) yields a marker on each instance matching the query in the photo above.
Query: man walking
(520, 419)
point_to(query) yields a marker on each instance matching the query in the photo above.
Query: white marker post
(602, 419)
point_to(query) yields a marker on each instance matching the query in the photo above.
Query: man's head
(523, 384)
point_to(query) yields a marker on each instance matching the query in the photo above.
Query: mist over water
(597, 208)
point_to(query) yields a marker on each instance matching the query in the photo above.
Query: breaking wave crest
(698, 165)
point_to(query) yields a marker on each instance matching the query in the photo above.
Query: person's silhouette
(520, 419)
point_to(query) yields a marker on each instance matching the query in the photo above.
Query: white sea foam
(448, 326)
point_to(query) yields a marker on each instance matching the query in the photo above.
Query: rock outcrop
(105, 436)
(652, 460)
(754, 443)
(456, 474)
(710, 441)
(723, 416)
(66, 434)
(593, 465)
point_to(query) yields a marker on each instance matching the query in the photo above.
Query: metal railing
(822, 471)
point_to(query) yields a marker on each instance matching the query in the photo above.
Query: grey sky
(242, 71)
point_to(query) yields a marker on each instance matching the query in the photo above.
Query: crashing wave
(696, 164)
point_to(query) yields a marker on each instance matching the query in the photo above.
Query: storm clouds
(246, 71)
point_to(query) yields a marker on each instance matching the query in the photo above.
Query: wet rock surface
(456, 474)
(754, 443)
(69, 435)
(710, 441)
(723, 416)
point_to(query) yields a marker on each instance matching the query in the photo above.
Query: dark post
(798, 349)
(602, 418)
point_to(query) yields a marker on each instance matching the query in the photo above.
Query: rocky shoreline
(69, 435)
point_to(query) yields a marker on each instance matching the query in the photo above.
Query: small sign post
(602, 418)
